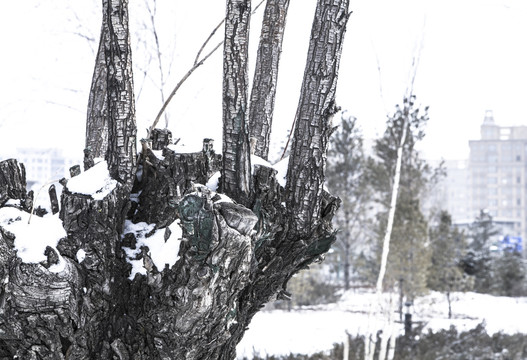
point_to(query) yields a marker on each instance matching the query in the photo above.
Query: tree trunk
(449, 304)
(305, 174)
(266, 75)
(121, 152)
(81, 302)
(347, 254)
(236, 170)
(97, 120)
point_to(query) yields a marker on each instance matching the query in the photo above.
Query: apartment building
(497, 173)
(44, 165)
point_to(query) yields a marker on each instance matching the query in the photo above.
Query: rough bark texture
(12, 181)
(110, 125)
(121, 153)
(164, 179)
(236, 171)
(232, 259)
(266, 75)
(97, 118)
(316, 108)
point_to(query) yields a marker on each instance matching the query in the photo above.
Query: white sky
(473, 58)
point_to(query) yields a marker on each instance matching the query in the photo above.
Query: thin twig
(178, 85)
(288, 138)
(152, 14)
(197, 63)
(207, 41)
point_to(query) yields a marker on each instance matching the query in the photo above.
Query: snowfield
(309, 330)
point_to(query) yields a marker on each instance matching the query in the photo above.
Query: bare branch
(178, 85)
(197, 63)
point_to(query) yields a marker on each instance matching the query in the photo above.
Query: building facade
(497, 176)
(45, 165)
(493, 179)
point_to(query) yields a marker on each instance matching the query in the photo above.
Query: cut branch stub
(12, 181)
(160, 138)
(165, 180)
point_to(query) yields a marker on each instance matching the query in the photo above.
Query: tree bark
(12, 181)
(305, 173)
(236, 170)
(121, 153)
(232, 258)
(110, 126)
(97, 121)
(266, 75)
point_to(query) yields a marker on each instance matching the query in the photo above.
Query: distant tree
(447, 247)
(483, 232)
(509, 274)
(345, 170)
(478, 260)
(409, 254)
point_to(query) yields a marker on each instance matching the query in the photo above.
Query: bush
(443, 345)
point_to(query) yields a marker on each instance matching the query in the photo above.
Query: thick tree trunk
(266, 75)
(305, 174)
(81, 302)
(236, 171)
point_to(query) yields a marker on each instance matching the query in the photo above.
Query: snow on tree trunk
(266, 75)
(236, 171)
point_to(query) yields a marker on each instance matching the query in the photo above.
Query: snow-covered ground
(309, 330)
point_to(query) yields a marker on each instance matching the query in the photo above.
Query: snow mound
(31, 239)
(95, 182)
(160, 251)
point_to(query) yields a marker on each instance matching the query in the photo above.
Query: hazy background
(472, 58)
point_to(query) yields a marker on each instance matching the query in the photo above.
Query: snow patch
(312, 329)
(31, 239)
(256, 160)
(281, 167)
(12, 202)
(95, 182)
(81, 255)
(158, 154)
(161, 252)
(213, 182)
(186, 148)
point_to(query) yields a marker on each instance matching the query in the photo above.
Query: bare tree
(233, 257)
